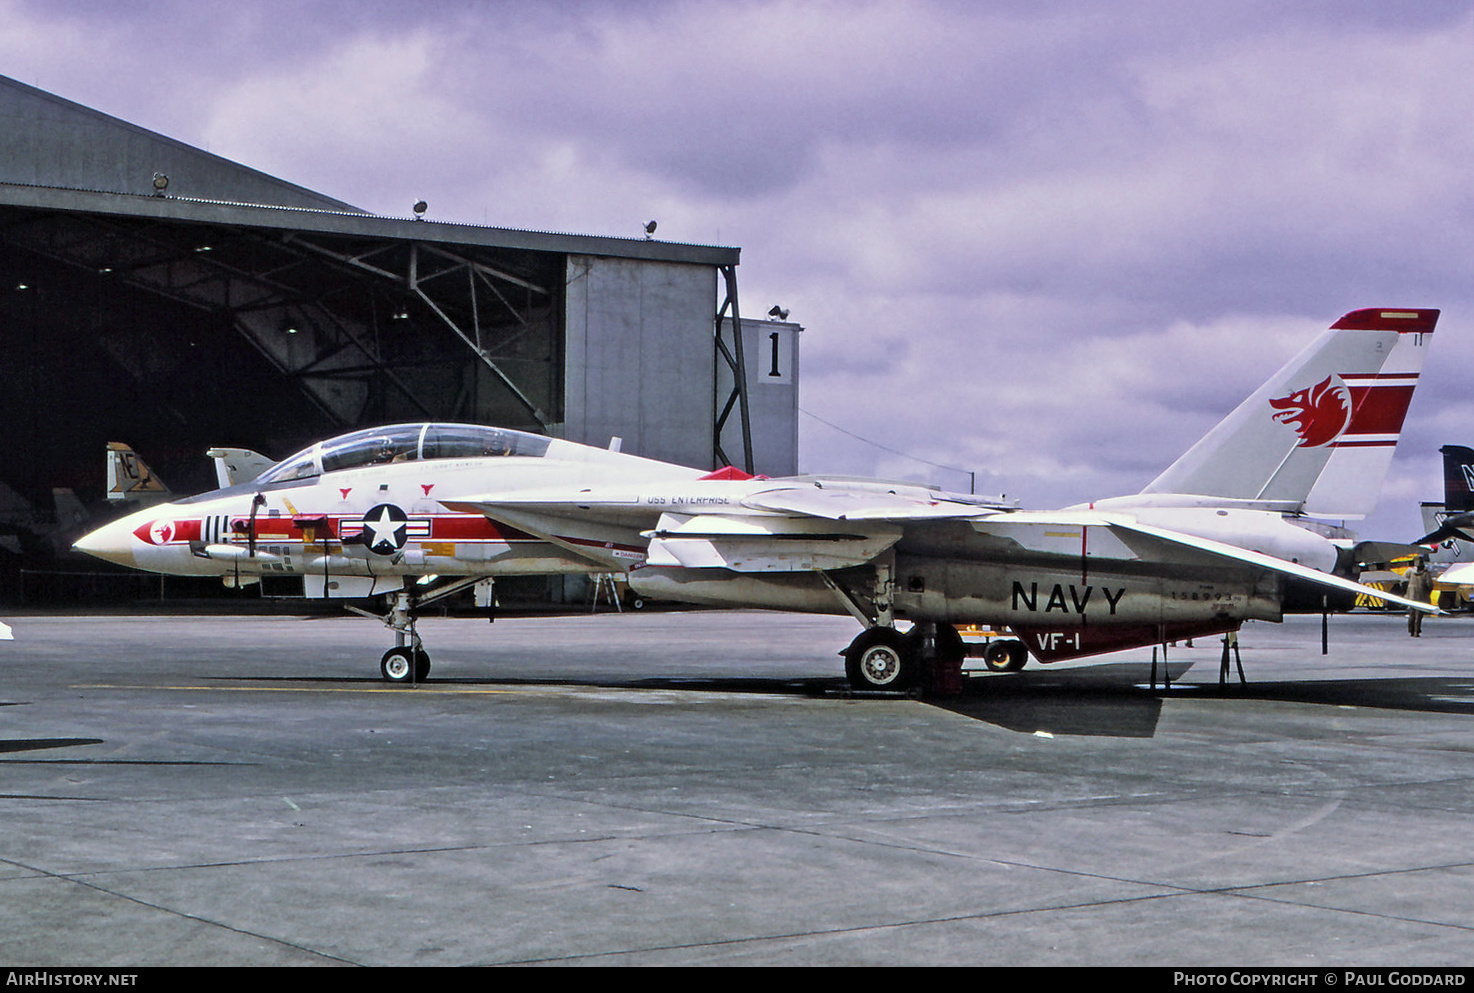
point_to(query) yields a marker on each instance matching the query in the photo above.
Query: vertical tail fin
(1454, 518)
(1458, 479)
(1318, 436)
(129, 477)
(238, 465)
(70, 512)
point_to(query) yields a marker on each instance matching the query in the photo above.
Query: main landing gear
(928, 657)
(882, 658)
(407, 663)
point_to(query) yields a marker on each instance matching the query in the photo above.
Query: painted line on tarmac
(422, 688)
(625, 694)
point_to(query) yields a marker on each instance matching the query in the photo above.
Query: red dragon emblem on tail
(1318, 413)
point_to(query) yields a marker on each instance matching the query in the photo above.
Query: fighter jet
(1232, 531)
(1450, 525)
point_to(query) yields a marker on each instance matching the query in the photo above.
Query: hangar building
(159, 295)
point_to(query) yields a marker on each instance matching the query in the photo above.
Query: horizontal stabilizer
(1456, 526)
(1368, 554)
(1314, 576)
(1121, 522)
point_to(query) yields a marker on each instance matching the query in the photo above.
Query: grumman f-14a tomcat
(1234, 530)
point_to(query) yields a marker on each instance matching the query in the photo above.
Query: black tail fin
(1458, 479)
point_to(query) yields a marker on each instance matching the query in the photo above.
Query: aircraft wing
(766, 542)
(613, 506)
(1216, 548)
(792, 528)
(800, 526)
(602, 529)
(840, 502)
(769, 526)
(835, 502)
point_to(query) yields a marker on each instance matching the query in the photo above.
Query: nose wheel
(405, 665)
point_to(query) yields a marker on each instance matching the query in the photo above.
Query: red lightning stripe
(1378, 407)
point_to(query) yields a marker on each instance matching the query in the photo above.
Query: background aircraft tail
(1454, 518)
(1458, 479)
(130, 478)
(71, 513)
(234, 466)
(1318, 436)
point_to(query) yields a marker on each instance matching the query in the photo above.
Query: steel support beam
(734, 359)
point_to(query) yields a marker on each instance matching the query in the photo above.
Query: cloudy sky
(1048, 242)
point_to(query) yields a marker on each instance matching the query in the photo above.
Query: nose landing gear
(407, 663)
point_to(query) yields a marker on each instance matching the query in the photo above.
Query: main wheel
(397, 662)
(879, 660)
(1006, 656)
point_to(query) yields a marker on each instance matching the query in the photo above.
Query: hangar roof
(58, 155)
(345, 222)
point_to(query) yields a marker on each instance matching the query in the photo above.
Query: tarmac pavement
(699, 788)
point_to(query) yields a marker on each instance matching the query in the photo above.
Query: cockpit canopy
(405, 443)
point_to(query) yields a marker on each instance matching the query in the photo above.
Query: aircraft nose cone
(111, 542)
